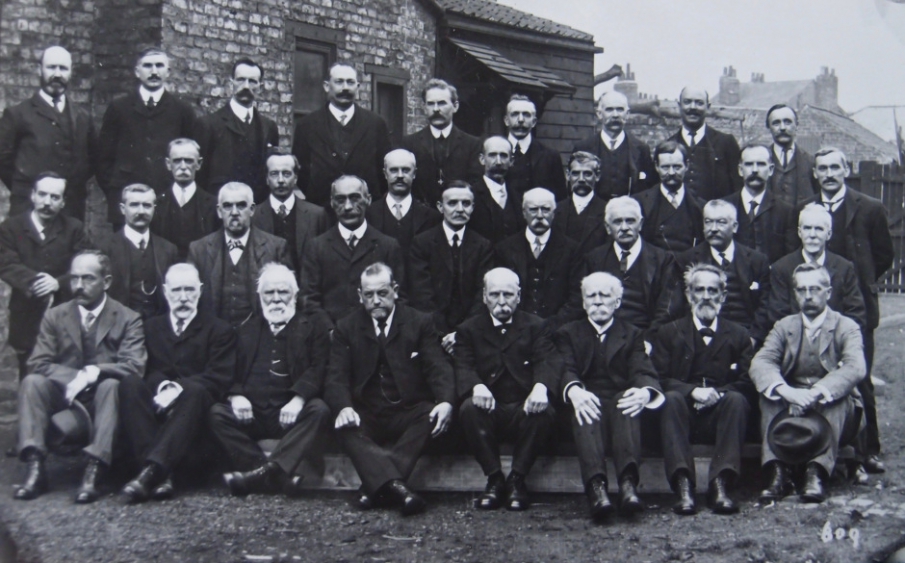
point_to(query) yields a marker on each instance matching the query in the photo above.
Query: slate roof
(858, 142)
(765, 94)
(517, 73)
(491, 11)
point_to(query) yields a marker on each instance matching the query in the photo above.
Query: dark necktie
(752, 210)
(706, 331)
(612, 144)
(623, 261)
(282, 211)
(141, 245)
(275, 328)
(455, 251)
(518, 151)
(234, 244)
(248, 118)
(180, 327)
(382, 328)
(151, 103)
(58, 103)
(724, 262)
(601, 336)
(785, 158)
(352, 241)
(691, 142)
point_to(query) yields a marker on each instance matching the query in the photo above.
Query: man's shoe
(35, 479)
(778, 483)
(494, 492)
(364, 501)
(629, 503)
(601, 506)
(88, 492)
(873, 464)
(139, 489)
(241, 483)
(517, 494)
(164, 490)
(408, 500)
(292, 487)
(859, 475)
(718, 498)
(685, 490)
(814, 491)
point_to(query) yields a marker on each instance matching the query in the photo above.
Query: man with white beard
(275, 393)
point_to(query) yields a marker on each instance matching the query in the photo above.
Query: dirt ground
(207, 525)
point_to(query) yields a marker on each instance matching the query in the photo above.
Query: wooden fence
(886, 182)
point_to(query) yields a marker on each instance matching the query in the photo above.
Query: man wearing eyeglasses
(230, 259)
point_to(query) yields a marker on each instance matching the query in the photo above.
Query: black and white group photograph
(478, 281)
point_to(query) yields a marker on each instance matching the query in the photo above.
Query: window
(388, 93)
(315, 51)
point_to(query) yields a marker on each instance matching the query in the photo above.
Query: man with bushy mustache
(276, 392)
(581, 216)
(497, 210)
(533, 163)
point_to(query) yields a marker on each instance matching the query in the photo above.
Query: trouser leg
(531, 432)
(589, 442)
(675, 428)
(138, 418)
(235, 437)
(413, 428)
(106, 417)
(768, 411)
(183, 423)
(729, 418)
(306, 438)
(625, 436)
(39, 398)
(837, 414)
(479, 427)
(869, 440)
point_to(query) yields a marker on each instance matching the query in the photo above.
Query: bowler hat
(71, 427)
(799, 439)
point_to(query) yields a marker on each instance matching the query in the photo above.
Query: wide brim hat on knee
(799, 439)
(71, 426)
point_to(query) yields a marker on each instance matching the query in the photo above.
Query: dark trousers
(162, 438)
(387, 443)
(507, 421)
(723, 425)
(614, 432)
(868, 442)
(305, 438)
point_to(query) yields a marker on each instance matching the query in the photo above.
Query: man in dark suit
(139, 258)
(86, 349)
(497, 209)
(231, 258)
(793, 180)
(608, 380)
(48, 132)
(333, 261)
(191, 360)
(581, 216)
(184, 213)
(286, 215)
(747, 270)
(702, 360)
(673, 216)
(340, 139)
(766, 223)
(647, 273)
(443, 151)
(399, 215)
(37, 248)
(447, 264)
(534, 165)
(505, 365)
(234, 139)
(549, 264)
(626, 166)
(392, 388)
(860, 234)
(137, 130)
(712, 155)
(276, 391)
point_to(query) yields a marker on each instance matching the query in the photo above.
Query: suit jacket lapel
(231, 121)
(613, 343)
(264, 216)
(358, 128)
(852, 203)
(489, 332)
(121, 255)
(365, 246)
(105, 321)
(301, 224)
(827, 334)
(216, 247)
(45, 110)
(73, 323)
(720, 338)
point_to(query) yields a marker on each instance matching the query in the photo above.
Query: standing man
(860, 234)
(389, 403)
(139, 258)
(792, 181)
(712, 155)
(533, 163)
(340, 139)
(48, 132)
(399, 215)
(581, 216)
(184, 213)
(286, 215)
(191, 360)
(230, 259)
(505, 365)
(333, 261)
(443, 151)
(234, 139)
(626, 167)
(38, 246)
(497, 209)
(765, 222)
(136, 132)
(86, 349)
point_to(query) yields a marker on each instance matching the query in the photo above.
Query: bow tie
(234, 244)
(277, 327)
(706, 331)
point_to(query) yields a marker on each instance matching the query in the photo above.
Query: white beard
(275, 316)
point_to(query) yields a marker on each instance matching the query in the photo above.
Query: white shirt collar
(96, 311)
(243, 239)
(406, 204)
(135, 237)
(445, 131)
(241, 111)
(840, 195)
(498, 322)
(599, 328)
(449, 233)
(747, 198)
(777, 150)
(359, 232)
(809, 325)
(699, 325)
(275, 203)
(338, 113)
(497, 191)
(189, 192)
(698, 135)
(188, 321)
(525, 143)
(729, 252)
(680, 193)
(607, 139)
(46, 97)
(145, 94)
(37, 223)
(388, 325)
(531, 237)
(633, 252)
(581, 201)
(820, 259)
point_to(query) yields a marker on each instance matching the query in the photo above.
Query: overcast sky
(673, 42)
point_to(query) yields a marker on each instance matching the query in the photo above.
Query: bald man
(626, 166)
(712, 155)
(533, 163)
(48, 133)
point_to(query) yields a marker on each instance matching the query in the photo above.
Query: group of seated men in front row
(341, 333)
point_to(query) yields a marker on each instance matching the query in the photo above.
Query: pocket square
(414, 355)
(754, 286)
(527, 362)
(733, 367)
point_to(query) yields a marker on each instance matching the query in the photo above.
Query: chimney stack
(627, 85)
(827, 89)
(729, 87)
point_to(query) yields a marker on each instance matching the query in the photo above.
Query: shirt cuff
(92, 371)
(827, 396)
(565, 392)
(656, 398)
(770, 392)
(164, 385)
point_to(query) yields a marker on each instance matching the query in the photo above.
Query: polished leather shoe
(494, 493)
(364, 501)
(778, 483)
(409, 501)
(685, 490)
(35, 479)
(873, 465)
(139, 489)
(629, 503)
(164, 490)
(88, 492)
(718, 498)
(601, 506)
(292, 487)
(814, 491)
(241, 483)
(517, 496)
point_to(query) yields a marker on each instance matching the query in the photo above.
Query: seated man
(505, 364)
(392, 387)
(609, 380)
(85, 349)
(280, 375)
(191, 360)
(810, 361)
(703, 362)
